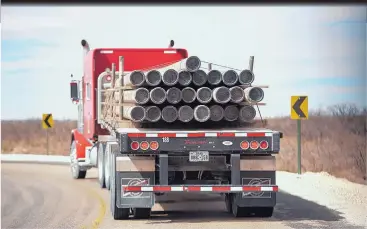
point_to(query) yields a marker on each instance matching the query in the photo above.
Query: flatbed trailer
(136, 164)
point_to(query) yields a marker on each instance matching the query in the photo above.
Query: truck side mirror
(74, 91)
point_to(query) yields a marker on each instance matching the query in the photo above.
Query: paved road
(45, 196)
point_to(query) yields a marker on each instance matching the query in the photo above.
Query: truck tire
(238, 211)
(107, 169)
(228, 202)
(141, 213)
(117, 213)
(101, 165)
(264, 212)
(74, 166)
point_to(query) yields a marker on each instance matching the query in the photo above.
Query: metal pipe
(85, 46)
(184, 78)
(134, 113)
(254, 94)
(153, 114)
(230, 78)
(134, 78)
(204, 95)
(169, 114)
(214, 77)
(174, 95)
(185, 113)
(113, 75)
(251, 63)
(216, 113)
(99, 96)
(231, 113)
(237, 94)
(170, 77)
(246, 77)
(153, 77)
(158, 95)
(247, 113)
(199, 77)
(188, 95)
(139, 96)
(221, 95)
(202, 113)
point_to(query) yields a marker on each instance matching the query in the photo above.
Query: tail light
(244, 145)
(134, 145)
(108, 78)
(264, 145)
(154, 145)
(144, 145)
(254, 144)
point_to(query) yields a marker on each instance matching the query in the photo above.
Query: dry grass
(333, 141)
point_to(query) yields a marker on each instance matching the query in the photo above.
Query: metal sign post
(299, 111)
(47, 123)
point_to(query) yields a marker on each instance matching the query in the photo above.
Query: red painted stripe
(222, 189)
(195, 135)
(255, 134)
(132, 189)
(167, 135)
(251, 189)
(193, 188)
(162, 189)
(226, 134)
(136, 135)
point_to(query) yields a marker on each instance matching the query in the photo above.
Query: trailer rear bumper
(200, 188)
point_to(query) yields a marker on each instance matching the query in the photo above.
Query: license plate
(197, 156)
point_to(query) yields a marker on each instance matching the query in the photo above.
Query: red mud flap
(194, 188)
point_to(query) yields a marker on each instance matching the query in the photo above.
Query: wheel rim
(73, 160)
(100, 164)
(107, 168)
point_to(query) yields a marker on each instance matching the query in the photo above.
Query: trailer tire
(74, 166)
(101, 165)
(107, 169)
(228, 202)
(238, 211)
(117, 213)
(264, 212)
(141, 213)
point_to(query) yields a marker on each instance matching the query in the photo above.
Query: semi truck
(138, 161)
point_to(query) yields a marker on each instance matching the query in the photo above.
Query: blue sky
(314, 51)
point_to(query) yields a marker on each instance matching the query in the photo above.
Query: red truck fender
(80, 142)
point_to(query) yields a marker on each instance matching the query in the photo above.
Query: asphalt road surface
(45, 196)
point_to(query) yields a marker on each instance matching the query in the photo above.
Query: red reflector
(264, 145)
(224, 134)
(144, 145)
(154, 145)
(134, 145)
(136, 135)
(131, 189)
(195, 135)
(254, 144)
(163, 189)
(167, 135)
(193, 188)
(255, 134)
(244, 145)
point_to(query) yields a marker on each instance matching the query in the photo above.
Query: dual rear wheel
(237, 211)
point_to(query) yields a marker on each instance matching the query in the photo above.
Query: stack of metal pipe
(183, 92)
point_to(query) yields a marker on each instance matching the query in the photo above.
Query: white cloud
(289, 44)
